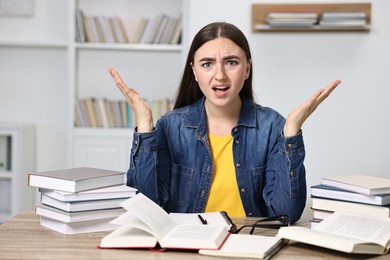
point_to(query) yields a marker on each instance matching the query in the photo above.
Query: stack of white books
(343, 20)
(357, 194)
(80, 200)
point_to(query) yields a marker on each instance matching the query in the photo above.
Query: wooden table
(22, 237)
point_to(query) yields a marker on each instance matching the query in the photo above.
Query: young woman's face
(220, 68)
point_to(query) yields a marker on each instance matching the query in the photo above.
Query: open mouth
(221, 88)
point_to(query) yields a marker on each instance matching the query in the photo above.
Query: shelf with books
(161, 29)
(311, 17)
(17, 147)
(131, 47)
(105, 113)
(153, 68)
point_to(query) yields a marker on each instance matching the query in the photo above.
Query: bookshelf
(17, 149)
(260, 12)
(152, 68)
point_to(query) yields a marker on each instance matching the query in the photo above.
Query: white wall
(33, 80)
(349, 133)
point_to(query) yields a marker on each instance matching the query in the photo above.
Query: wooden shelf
(260, 11)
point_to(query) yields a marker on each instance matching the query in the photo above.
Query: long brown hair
(189, 90)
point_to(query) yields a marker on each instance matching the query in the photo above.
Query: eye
(206, 65)
(232, 63)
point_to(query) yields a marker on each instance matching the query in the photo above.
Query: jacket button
(292, 173)
(238, 165)
(235, 130)
(237, 141)
(290, 145)
(243, 190)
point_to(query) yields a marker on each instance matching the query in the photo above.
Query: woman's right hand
(142, 112)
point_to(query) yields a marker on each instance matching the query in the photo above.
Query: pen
(204, 221)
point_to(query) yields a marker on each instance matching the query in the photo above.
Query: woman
(218, 149)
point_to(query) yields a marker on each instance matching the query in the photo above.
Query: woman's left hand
(298, 116)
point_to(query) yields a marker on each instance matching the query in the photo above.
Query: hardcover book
(352, 207)
(329, 192)
(87, 205)
(80, 227)
(114, 192)
(147, 225)
(76, 179)
(364, 184)
(69, 217)
(248, 246)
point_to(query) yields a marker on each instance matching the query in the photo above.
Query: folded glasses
(274, 222)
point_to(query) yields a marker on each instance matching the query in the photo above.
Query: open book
(211, 218)
(147, 225)
(345, 232)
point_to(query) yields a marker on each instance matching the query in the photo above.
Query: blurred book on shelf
(104, 113)
(288, 19)
(343, 20)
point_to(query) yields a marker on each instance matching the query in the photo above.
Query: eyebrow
(229, 57)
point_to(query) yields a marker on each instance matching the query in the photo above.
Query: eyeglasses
(274, 222)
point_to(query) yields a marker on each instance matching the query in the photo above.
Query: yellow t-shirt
(224, 194)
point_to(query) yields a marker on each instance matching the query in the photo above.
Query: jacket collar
(196, 115)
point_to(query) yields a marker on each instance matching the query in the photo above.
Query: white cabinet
(17, 159)
(153, 69)
(101, 148)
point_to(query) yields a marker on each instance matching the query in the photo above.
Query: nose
(220, 73)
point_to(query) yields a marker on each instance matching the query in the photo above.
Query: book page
(131, 221)
(126, 236)
(320, 238)
(212, 218)
(155, 217)
(371, 229)
(202, 236)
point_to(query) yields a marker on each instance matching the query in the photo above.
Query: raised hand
(142, 112)
(298, 116)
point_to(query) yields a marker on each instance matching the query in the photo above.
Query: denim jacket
(173, 166)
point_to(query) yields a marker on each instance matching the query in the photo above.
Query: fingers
(119, 82)
(322, 94)
(129, 93)
(331, 87)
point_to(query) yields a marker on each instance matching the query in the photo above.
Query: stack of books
(356, 194)
(80, 200)
(343, 20)
(298, 19)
